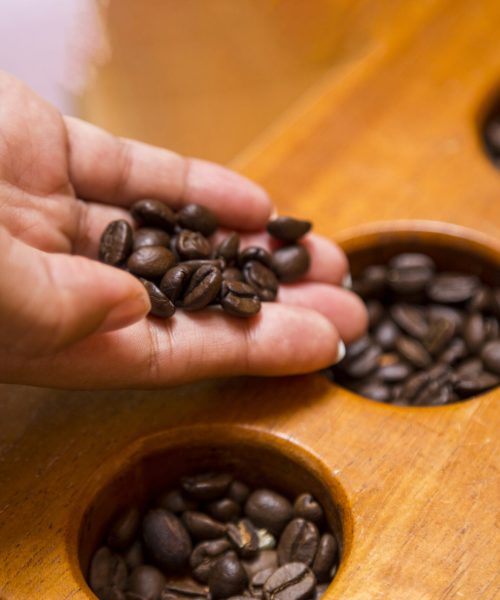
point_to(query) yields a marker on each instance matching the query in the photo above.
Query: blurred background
(203, 77)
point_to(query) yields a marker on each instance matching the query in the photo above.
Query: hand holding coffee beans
(173, 257)
(434, 337)
(214, 537)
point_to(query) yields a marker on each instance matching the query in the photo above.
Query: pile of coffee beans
(213, 537)
(434, 337)
(173, 256)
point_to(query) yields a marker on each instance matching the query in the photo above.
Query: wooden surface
(391, 135)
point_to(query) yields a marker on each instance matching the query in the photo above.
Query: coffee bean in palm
(410, 319)
(107, 570)
(243, 536)
(166, 539)
(254, 253)
(239, 299)
(116, 243)
(175, 281)
(202, 527)
(413, 351)
(490, 355)
(204, 555)
(146, 582)
(227, 577)
(298, 542)
(452, 288)
(266, 508)
(306, 507)
(197, 218)
(229, 247)
(294, 581)
(206, 486)
(474, 332)
(161, 306)
(153, 213)
(203, 288)
(150, 262)
(124, 529)
(291, 262)
(192, 245)
(325, 557)
(224, 509)
(149, 236)
(288, 229)
(238, 491)
(261, 279)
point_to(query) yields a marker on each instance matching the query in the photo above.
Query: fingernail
(347, 281)
(340, 352)
(126, 313)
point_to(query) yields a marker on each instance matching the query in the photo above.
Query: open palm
(69, 321)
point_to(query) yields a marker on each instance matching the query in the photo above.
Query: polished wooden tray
(384, 154)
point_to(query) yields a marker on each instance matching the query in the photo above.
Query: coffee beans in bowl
(213, 537)
(434, 336)
(180, 267)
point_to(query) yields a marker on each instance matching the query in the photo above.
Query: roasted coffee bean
(490, 355)
(306, 507)
(261, 279)
(254, 253)
(268, 509)
(266, 559)
(124, 529)
(203, 288)
(357, 347)
(409, 273)
(204, 555)
(227, 577)
(206, 486)
(294, 581)
(456, 350)
(491, 328)
(410, 319)
(452, 288)
(394, 373)
(224, 510)
(325, 558)
(239, 299)
(476, 384)
(175, 281)
(202, 527)
(439, 335)
(112, 593)
(191, 245)
(385, 334)
(148, 236)
(175, 502)
(166, 539)
(291, 262)
(375, 312)
(182, 587)
(364, 364)
(481, 301)
(197, 218)
(298, 542)
(372, 282)
(412, 260)
(375, 390)
(116, 243)
(107, 570)
(436, 312)
(153, 213)
(161, 306)
(229, 247)
(238, 491)
(134, 556)
(146, 582)
(258, 580)
(414, 352)
(196, 263)
(243, 536)
(288, 229)
(471, 366)
(474, 332)
(232, 274)
(150, 262)
(414, 385)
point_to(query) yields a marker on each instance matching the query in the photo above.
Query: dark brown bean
(385, 335)
(456, 350)
(204, 555)
(238, 491)
(203, 288)
(153, 213)
(148, 236)
(151, 262)
(229, 247)
(107, 570)
(227, 577)
(191, 245)
(258, 580)
(266, 508)
(174, 501)
(298, 542)
(243, 536)
(124, 529)
(325, 557)
(116, 243)
(440, 333)
(175, 281)
(375, 390)
(452, 288)
(372, 282)
(265, 559)
(490, 355)
(288, 229)
(364, 364)
(474, 332)
(182, 587)
(410, 319)
(294, 581)
(414, 352)
(481, 301)
(239, 299)
(161, 306)
(261, 279)
(291, 262)
(206, 486)
(394, 373)
(202, 527)
(476, 384)
(254, 253)
(197, 218)
(375, 312)
(166, 539)
(224, 510)
(414, 385)
(134, 556)
(232, 274)
(306, 507)
(412, 260)
(146, 582)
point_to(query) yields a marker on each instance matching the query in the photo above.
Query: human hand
(69, 321)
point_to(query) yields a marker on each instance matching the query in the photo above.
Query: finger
(49, 301)
(118, 171)
(343, 308)
(280, 340)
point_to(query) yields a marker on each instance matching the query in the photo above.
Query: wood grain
(390, 136)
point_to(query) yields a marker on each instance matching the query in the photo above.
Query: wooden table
(390, 134)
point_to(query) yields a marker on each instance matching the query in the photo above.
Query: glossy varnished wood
(387, 137)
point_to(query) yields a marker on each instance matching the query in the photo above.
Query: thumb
(48, 301)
